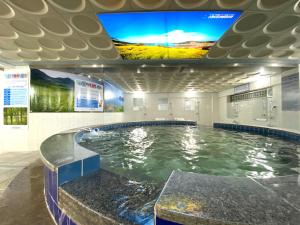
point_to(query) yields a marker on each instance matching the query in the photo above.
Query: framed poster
(15, 98)
(88, 96)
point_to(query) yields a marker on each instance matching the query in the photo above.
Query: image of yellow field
(159, 52)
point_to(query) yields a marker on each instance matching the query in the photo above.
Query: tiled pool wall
(265, 131)
(63, 174)
(136, 124)
(68, 172)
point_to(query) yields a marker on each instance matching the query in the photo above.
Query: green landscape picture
(166, 35)
(51, 94)
(15, 116)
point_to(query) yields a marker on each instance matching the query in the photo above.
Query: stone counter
(190, 198)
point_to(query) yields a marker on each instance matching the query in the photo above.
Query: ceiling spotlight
(236, 64)
(192, 70)
(190, 93)
(275, 64)
(94, 65)
(89, 76)
(262, 70)
(139, 94)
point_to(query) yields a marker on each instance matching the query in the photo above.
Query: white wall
(204, 112)
(209, 108)
(289, 120)
(42, 125)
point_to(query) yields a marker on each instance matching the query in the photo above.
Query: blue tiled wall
(71, 171)
(160, 221)
(51, 190)
(90, 165)
(137, 124)
(260, 130)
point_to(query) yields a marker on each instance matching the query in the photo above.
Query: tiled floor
(21, 190)
(11, 163)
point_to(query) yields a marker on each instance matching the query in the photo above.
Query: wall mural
(54, 91)
(51, 91)
(113, 98)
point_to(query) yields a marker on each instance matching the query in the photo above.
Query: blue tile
(51, 205)
(91, 164)
(165, 222)
(56, 213)
(72, 222)
(64, 219)
(69, 172)
(53, 186)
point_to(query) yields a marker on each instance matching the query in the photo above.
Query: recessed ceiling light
(94, 65)
(262, 70)
(275, 65)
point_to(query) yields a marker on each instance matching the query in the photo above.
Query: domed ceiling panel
(67, 33)
(70, 30)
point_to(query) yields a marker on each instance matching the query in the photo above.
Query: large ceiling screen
(166, 35)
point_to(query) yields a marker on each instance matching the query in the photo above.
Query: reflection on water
(146, 156)
(151, 153)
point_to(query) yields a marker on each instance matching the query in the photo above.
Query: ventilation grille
(248, 95)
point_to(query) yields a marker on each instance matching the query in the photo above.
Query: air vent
(249, 95)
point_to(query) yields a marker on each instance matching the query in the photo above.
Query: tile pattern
(266, 131)
(63, 146)
(51, 197)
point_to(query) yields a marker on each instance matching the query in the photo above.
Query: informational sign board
(56, 91)
(15, 98)
(88, 96)
(290, 93)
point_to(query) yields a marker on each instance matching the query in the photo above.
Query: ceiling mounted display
(166, 35)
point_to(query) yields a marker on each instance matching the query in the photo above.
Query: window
(138, 104)
(163, 104)
(189, 104)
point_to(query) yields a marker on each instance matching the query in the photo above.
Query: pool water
(153, 152)
(146, 156)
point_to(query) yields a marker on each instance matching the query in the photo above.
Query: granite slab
(190, 198)
(286, 187)
(107, 198)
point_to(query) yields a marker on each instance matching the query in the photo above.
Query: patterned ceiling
(66, 33)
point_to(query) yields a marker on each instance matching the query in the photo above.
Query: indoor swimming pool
(144, 157)
(153, 152)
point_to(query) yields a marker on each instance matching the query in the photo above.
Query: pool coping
(57, 174)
